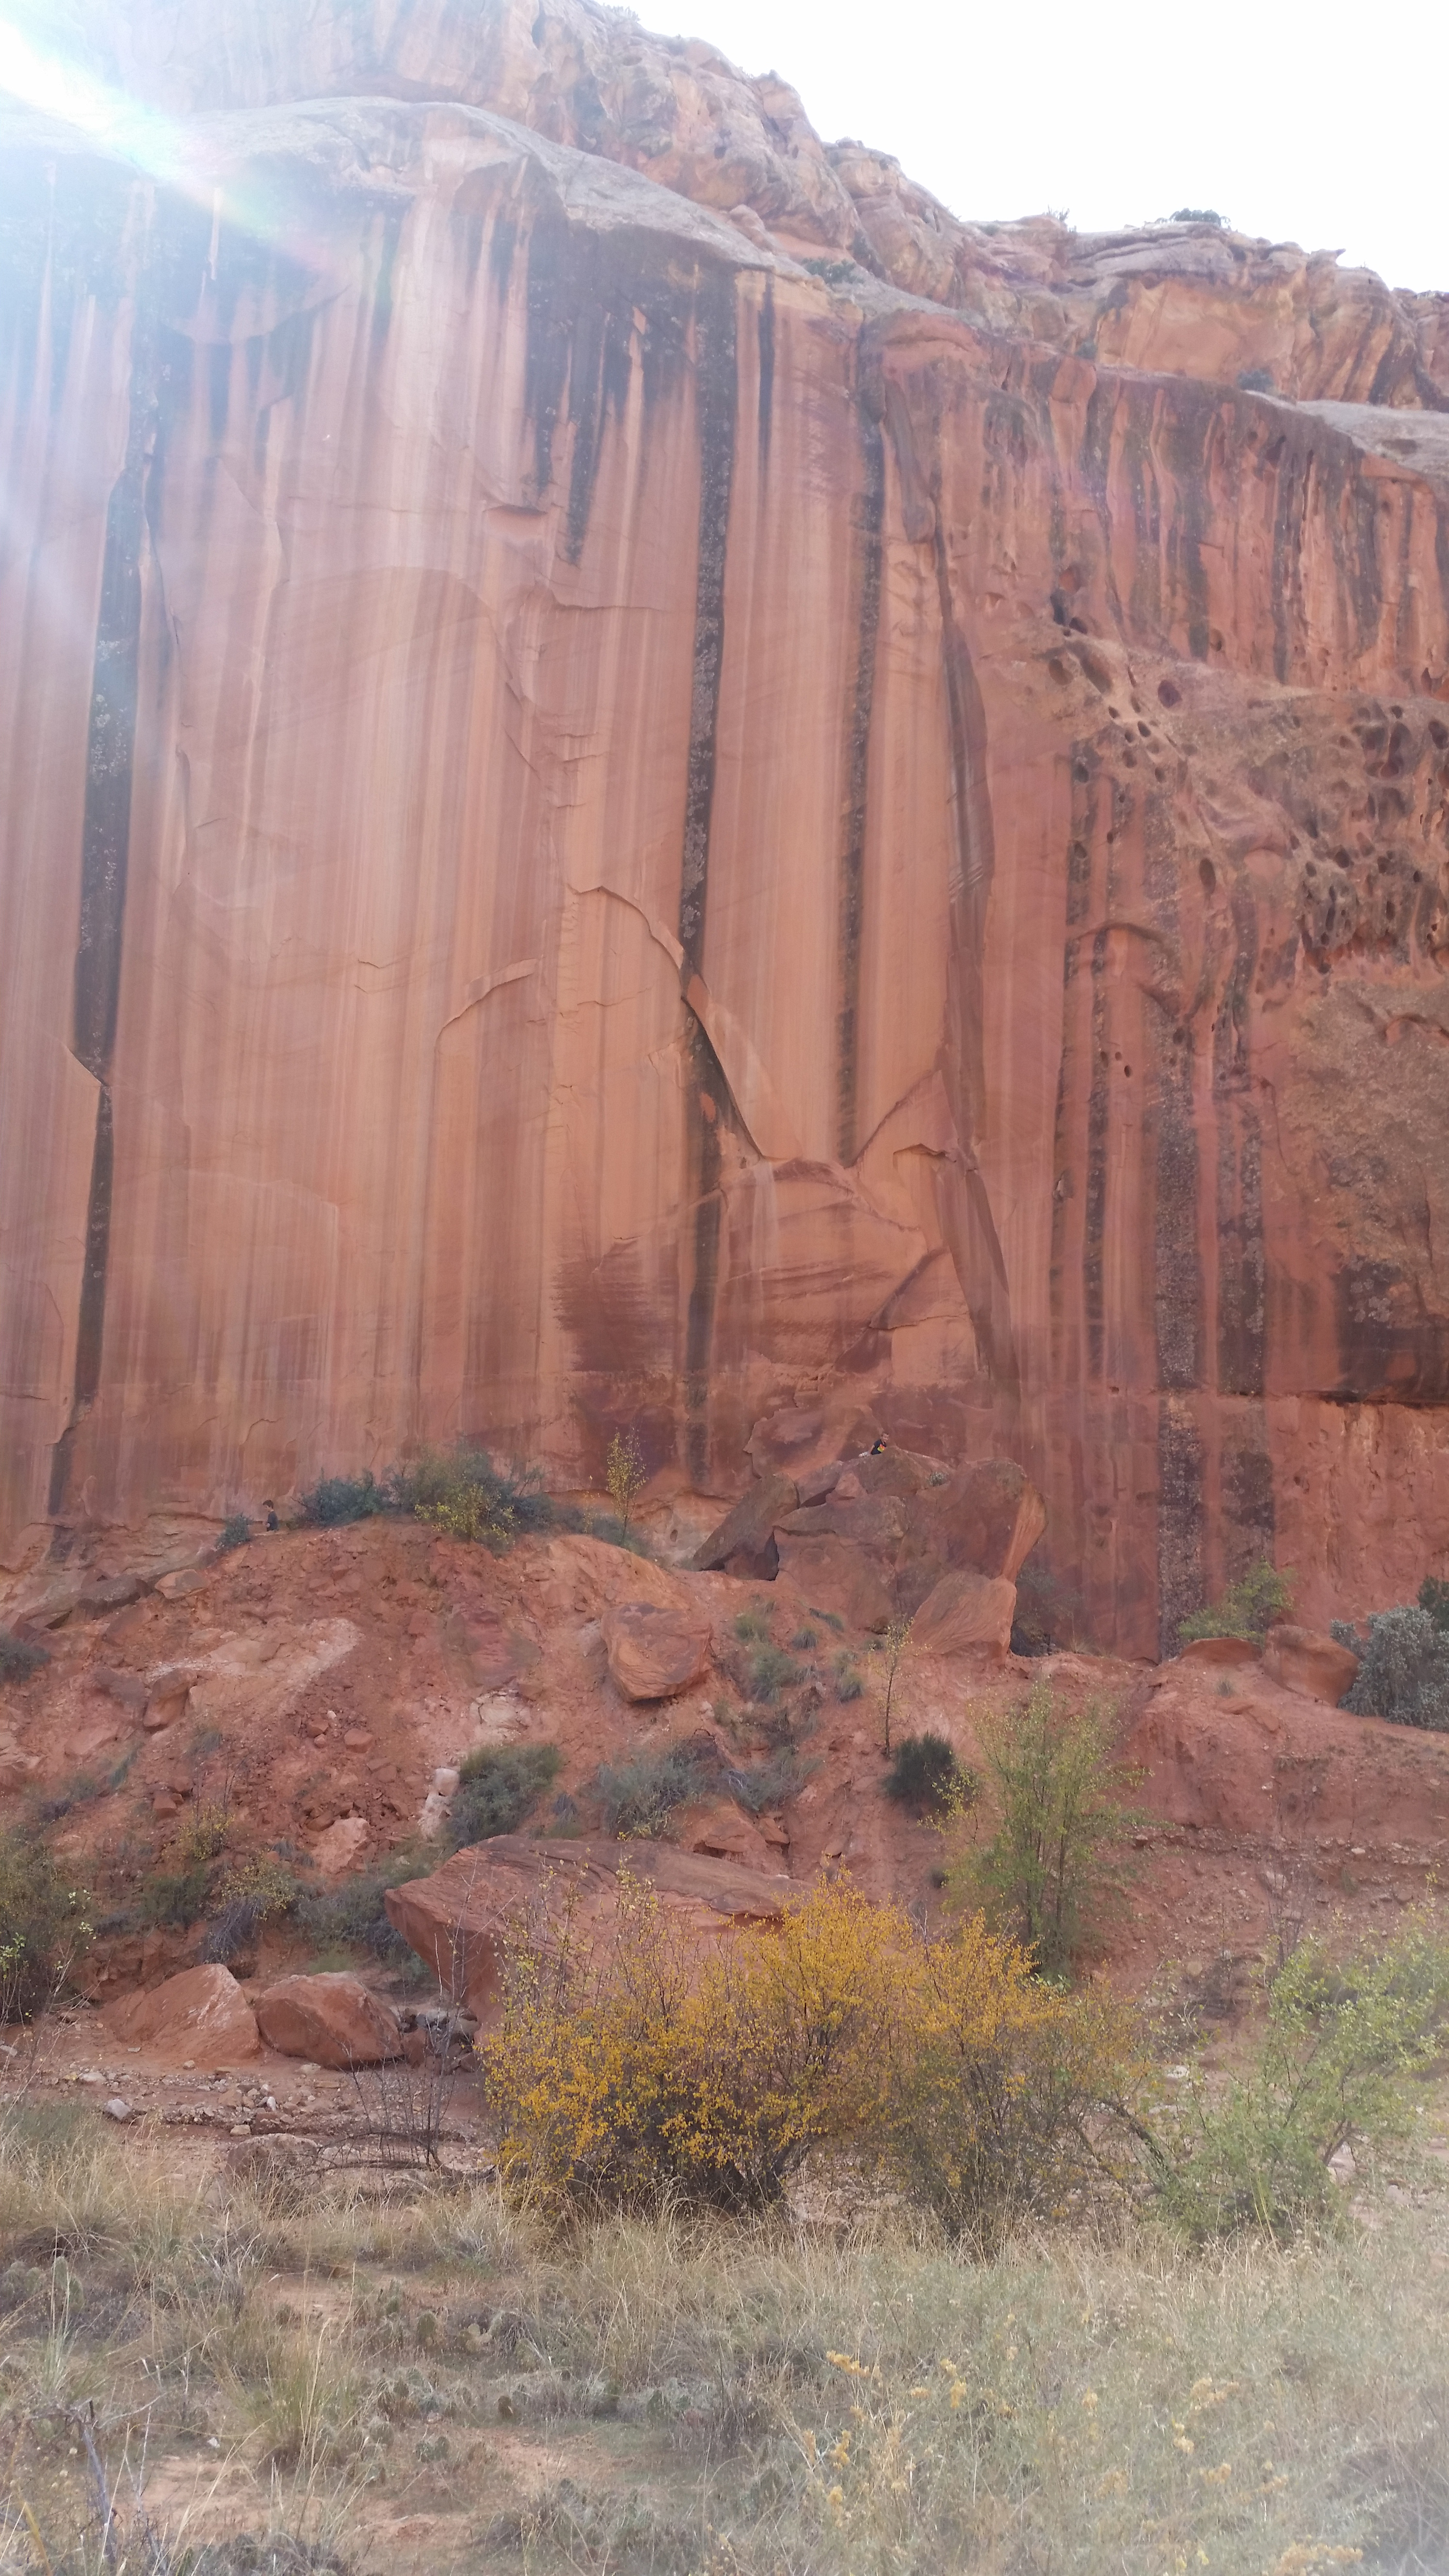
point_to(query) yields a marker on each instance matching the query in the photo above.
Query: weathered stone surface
(833, 1574)
(965, 1609)
(332, 2019)
(1304, 1660)
(720, 1830)
(1220, 1650)
(201, 2014)
(744, 1539)
(653, 1652)
(128, 1690)
(456, 1919)
(543, 1088)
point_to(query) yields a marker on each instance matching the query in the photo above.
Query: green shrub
(235, 1532)
(848, 1683)
(1247, 1609)
(352, 1916)
(753, 1625)
(498, 1788)
(1055, 1858)
(461, 1492)
(1339, 2042)
(769, 1784)
(1403, 1671)
(1434, 1597)
(254, 1890)
(44, 1926)
(926, 1776)
(769, 1671)
(335, 1499)
(18, 1658)
(639, 1797)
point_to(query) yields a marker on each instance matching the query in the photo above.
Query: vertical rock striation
(605, 825)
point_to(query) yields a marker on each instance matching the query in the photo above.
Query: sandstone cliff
(605, 824)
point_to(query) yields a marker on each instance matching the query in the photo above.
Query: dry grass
(426, 2380)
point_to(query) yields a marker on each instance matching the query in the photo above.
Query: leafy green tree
(1057, 1855)
(1248, 1608)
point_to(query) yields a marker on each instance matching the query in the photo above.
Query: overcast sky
(1320, 125)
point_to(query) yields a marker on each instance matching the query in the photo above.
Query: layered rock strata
(603, 825)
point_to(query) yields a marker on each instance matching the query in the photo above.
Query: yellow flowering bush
(999, 2085)
(628, 2071)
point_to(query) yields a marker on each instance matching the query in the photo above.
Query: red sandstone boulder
(201, 2015)
(654, 1652)
(458, 1919)
(965, 1609)
(1220, 1650)
(985, 1517)
(831, 1574)
(719, 1830)
(1302, 1659)
(333, 2019)
(744, 1539)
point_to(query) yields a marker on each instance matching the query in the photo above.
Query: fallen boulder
(201, 2014)
(333, 2019)
(654, 1652)
(460, 1918)
(833, 1575)
(744, 1541)
(965, 1609)
(1303, 1659)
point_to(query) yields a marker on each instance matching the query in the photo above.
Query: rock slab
(459, 1919)
(201, 2014)
(654, 1652)
(333, 2019)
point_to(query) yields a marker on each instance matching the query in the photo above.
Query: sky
(1320, 125)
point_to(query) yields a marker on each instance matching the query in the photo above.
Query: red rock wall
(603, 828)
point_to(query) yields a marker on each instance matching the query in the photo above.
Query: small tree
(44, 1927)
(626, 1474)
(1403, 1670)
(1247, 1609)
(1055, 1856)
(894, 1643)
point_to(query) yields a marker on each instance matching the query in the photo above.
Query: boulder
(128, 1690)
(460, 1917)
(876, 1524)
(654, 1652)
(719, 1830)
(797, 1439)
(965, 1609)
(340, 1846)
(201, 2014)
(169, 1690)
(985, 1518)
(744, 1539)
(1220, 1650)
(1304, 1660)
(832, 1574)
(332, 2019)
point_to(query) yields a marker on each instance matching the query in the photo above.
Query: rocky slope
(648, 782)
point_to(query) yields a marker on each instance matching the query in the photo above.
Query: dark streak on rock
(716, 397)
(1179, 1519)
(1094, 1219)
(105, 856)
(869, 521)
(765, 330)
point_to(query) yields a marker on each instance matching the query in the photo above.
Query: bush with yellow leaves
(1004, 2086)
(628, 2072)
